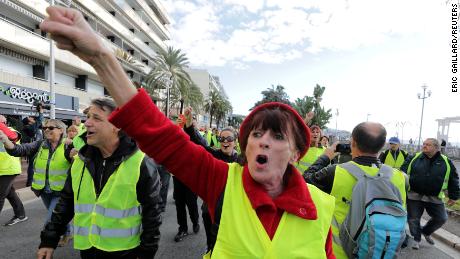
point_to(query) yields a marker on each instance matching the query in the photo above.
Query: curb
(25, 194)
(446, 237)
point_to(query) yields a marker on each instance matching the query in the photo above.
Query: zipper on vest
(100, 179)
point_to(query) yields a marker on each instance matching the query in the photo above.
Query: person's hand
(180, 121)
(68, 141)
(451, 202)
(308, 117)
(330, 151)
(45, 253)
(73, 152)
(71, 32)
(188, 117)
(3, 137)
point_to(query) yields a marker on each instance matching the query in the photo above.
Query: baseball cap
(394, 140)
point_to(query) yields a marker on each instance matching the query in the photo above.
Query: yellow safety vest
(9, 165)
(55, 169)
(112, 221)
(445, 183)
(390, 161)
(242, 235)
(309, 158)
(78, 141)
(342, 190)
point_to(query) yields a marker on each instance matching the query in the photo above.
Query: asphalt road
(21, 240)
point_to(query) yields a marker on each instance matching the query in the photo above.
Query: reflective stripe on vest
(445, 183)
(111, 213)
(9, 165)
(390, 161)
(108, 233)
(54, 168)
(112, 221)
(242, 235)
(342, 189)
(309, 158)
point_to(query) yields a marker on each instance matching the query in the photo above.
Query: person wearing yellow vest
(394, 156)
(77, 122)
(112, 194)
(10, 167)
(50, 164)
(314, 151)
(430, 175)
(366, 141)
(277, 214)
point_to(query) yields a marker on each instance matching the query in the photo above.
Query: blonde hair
(58, 124)
(72, 127)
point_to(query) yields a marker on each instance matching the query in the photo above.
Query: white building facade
(134, 29)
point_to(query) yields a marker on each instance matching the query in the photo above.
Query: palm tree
(187, 95)
(211, 104)
(223, 108)
(169, 69)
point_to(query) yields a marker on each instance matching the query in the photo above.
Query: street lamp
(336, 118)
(52, 68)
(426, 94)
(367, 118)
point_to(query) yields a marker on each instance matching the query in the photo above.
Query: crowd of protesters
(275, 188)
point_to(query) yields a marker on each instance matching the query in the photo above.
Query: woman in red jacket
(267, 209)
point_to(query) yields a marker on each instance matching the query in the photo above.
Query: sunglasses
(50, 128)
(228, 139)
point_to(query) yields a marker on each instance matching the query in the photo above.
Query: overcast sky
(372, 56)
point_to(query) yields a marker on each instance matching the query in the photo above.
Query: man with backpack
(430, 175)
(365, 190)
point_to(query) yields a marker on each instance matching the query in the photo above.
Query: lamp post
(367, 117)
(336, 118)
(51, 77)
(426, 94)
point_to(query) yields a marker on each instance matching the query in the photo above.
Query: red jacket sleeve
(171, 147)
(329, 250)
(13, 136)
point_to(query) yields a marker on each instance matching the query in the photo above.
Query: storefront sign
(25, 94)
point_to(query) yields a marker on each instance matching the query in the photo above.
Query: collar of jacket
(125, 149)
(367, 161)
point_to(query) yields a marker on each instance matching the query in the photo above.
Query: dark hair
(104, 103)
(277, 120)
(369, 140)
(324, 136)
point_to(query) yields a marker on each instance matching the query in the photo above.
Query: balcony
(37, 46)
(115, 25)
(134, 18)
(161, 29)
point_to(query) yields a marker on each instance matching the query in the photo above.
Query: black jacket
(148, 195)
(31, 131)
(427, 175)
(321, 174)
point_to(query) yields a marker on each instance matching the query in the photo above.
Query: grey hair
(58, 124)
(435, 142)
(105, 103)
